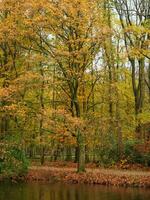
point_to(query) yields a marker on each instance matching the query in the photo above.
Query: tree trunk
(42, 155)
(81, 148)
(80, 136)
(41, 120)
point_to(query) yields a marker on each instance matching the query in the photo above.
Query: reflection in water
(40, 191)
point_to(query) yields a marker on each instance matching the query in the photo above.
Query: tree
(133, 16)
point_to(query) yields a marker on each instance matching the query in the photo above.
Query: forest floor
(68, 174)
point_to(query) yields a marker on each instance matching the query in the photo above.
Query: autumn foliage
(75, 81)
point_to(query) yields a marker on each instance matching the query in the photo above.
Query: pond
(41, 191)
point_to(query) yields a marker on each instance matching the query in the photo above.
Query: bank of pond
(92, 176)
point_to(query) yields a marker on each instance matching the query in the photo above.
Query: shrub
(108, 152)
(134, 152)
(12, 160)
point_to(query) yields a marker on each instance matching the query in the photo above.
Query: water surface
(41, 191)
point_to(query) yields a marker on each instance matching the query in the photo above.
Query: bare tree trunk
(41, 120)
(81, 147)
(80, 136)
